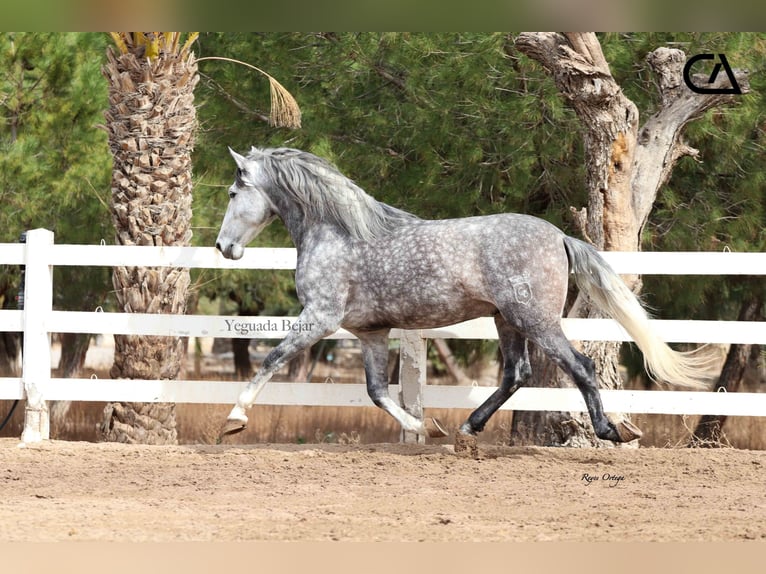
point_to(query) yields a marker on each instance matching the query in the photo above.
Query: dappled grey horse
(369, 267)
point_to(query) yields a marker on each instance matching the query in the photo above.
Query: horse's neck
(296, 226)
(301, 230)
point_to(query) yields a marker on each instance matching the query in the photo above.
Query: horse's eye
(239, 179)
(232, 194)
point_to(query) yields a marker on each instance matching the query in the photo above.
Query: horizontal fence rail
(355, 395)
(39, 320)
(623, 262)
(265, 327)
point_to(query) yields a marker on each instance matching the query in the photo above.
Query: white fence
(38, 320)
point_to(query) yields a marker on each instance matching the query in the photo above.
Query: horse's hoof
(434, 429)
(466, 444)
(628, 431)
(232, 426)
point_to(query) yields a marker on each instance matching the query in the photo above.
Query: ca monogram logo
(722, 63)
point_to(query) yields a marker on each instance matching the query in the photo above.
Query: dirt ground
(60, 490)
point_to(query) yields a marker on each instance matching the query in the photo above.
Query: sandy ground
(84, 491)
(109, 492)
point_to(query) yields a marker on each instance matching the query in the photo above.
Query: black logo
(723, 63)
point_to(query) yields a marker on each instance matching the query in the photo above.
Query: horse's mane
(325, 194)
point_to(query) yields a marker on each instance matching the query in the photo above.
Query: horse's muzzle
(230, 250)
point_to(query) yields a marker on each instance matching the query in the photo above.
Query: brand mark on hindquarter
(522, 290)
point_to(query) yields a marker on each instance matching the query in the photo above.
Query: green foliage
(716, 202)
(451, 125)
(54, 162)
(443, 125)
(432, 123)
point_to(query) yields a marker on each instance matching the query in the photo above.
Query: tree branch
(659, 141)
(582, 75)
(575, 61)
(626, 166)
(241, 106)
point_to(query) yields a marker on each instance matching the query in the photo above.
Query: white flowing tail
(598, 280)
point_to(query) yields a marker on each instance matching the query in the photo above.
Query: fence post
(36, 352)
(412, 378)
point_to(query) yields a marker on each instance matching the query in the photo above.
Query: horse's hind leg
(375, 356)
(582, 370)
(516, 372)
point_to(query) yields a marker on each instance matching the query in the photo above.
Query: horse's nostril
(218, 246)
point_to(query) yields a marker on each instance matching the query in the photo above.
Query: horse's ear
(240, 160)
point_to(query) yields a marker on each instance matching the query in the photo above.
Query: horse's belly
(418, 310)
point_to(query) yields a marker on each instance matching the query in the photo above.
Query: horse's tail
(598, 280)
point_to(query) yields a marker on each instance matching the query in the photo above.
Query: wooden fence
(38, 320)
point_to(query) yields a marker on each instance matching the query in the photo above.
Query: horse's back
(432, 273)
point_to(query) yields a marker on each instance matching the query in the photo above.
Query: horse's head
(249, 210)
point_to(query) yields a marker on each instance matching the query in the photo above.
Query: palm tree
(151, 122)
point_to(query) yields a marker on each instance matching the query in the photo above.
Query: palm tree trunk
(151, 123)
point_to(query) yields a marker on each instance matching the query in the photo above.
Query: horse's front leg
(307, 330)
(375, 356)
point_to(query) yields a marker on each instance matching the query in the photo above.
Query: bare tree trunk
(10, 343)
(626, 166)
(298, 368)
(709, 430)
(10, 347)
(446, 356)
(74, 348)
(243, 366)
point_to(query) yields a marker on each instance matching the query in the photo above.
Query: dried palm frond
(285, 111)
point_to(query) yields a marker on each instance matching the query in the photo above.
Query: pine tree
(54, 166)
